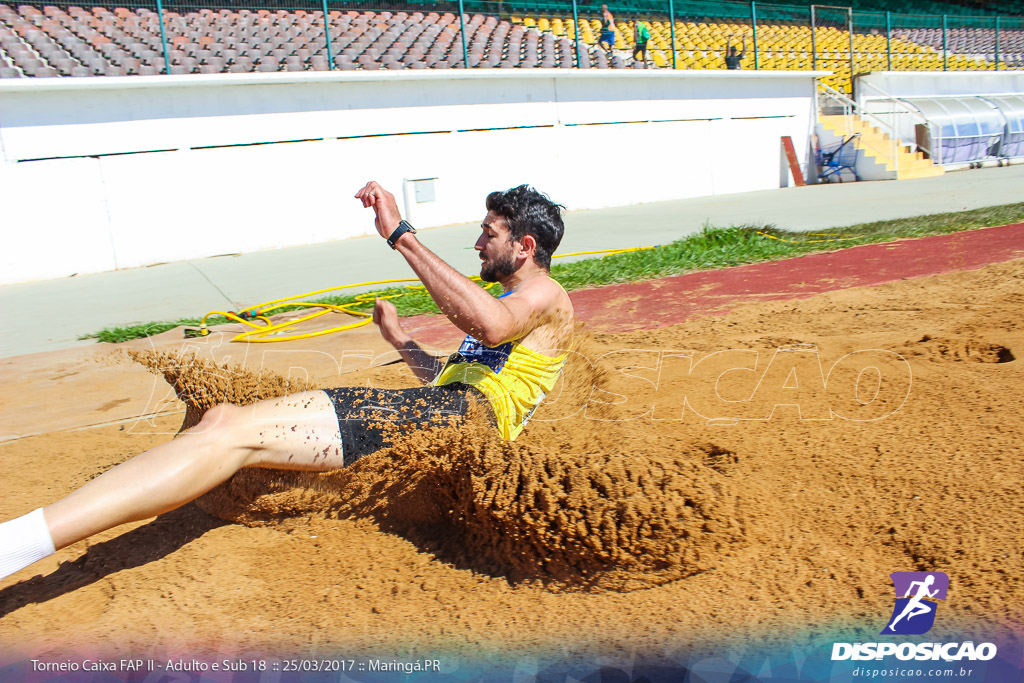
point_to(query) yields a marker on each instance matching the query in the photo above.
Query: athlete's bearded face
(497, 250)
(498, 268)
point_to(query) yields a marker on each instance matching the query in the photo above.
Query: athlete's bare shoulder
(553, 315)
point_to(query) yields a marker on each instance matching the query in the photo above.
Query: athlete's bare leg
(294, 432)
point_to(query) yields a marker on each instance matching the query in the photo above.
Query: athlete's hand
(384, 206)
(385, 316)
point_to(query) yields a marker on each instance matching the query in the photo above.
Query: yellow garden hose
(835, 238)
(603, 251)
(267, 331)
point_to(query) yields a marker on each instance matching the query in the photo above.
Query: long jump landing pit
(737, 478)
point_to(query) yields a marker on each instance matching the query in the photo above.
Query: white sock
(23, 541)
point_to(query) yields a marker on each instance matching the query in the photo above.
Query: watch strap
(403, 227)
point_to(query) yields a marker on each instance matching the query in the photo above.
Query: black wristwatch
(403, 227)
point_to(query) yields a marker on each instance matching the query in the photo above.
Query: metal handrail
(851, 107)
(848, 105)
(904, 106)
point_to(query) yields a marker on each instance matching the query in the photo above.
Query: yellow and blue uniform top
(514, 379)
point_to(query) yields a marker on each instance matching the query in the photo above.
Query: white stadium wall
(107, 173)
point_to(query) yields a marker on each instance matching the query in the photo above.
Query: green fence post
(753, 22)
(327, 33)
(672, 30)
(462, 23)
(853, 63)
(997, 43)
(945, 44)
(163, 37)
(576, 31)
(814, 49)
(888, 39)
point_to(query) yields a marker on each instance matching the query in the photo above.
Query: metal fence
(63, 38)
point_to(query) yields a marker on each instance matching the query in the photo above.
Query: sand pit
(752, 477)
(600, 519)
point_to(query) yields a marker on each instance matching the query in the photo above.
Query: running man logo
(914, 613)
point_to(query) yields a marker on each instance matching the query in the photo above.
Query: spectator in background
(641, 34)
(732, 58)
(607, 30)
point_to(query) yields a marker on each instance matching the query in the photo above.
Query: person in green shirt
(641, 34)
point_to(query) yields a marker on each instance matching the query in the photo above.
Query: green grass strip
(709, 249)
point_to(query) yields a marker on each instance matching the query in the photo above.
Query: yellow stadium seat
(782, 45)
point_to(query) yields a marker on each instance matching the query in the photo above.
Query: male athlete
(513, 352)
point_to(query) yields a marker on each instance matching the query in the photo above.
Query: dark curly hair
(529, 212)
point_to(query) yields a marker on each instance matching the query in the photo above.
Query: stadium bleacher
(71, 40)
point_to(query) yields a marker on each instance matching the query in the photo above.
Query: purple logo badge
(916, 596)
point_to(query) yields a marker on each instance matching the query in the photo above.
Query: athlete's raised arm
(464, 303)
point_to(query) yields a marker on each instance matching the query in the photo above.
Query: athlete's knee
(219, 417)
(228, 431)
(232, 425)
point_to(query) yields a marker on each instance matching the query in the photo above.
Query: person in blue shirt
(607, 40)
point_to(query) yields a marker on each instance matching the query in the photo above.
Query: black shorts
(370, 419)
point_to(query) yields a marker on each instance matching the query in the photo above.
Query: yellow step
(878, 145)
(929, 172)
